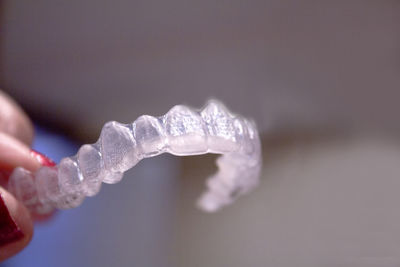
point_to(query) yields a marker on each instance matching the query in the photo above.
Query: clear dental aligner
(182, 132)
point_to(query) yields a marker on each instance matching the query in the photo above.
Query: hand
(16, 134)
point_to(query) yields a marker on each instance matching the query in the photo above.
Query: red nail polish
(43, 160)
(9, 230)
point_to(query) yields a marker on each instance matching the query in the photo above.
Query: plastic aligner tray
(182, 131)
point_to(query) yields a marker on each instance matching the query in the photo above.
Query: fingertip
(16, 227)
(14, 153)
(14, 121)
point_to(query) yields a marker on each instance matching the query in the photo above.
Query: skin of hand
(16, 134)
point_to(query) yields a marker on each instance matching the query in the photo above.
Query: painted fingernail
(43, 160)
(9, 230)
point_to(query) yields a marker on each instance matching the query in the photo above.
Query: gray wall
(282, 62)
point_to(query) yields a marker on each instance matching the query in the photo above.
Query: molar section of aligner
(150, 136)
(253, 179)
(256, 155)
(220, 126)
(236, 174)
(209, 202)
(248, 139)
(223, 186)
(251, 129)
(22, 185)
(222, 191)
(242, 138)
(185, 131)
(228, 171)
(217, 196)
(90, 165)
(50, 192)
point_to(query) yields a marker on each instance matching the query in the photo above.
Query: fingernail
(43, 160)
(9, 230)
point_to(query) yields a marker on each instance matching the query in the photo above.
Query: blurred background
(321, 79)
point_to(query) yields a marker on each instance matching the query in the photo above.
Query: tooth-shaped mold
(118, 147)
(22, 185)
(253, 147)
(70, 177)
(47, 185)
(220, 125)
(89, 162)
(50, 193)
(185, 131)
(241, 132)
(149, 135)
(110, 177)
(182, 131)
(91, 165)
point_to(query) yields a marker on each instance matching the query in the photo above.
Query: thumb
(16, 227)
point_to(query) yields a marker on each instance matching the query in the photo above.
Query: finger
(16, 134)
(14, 153)
(14, 121)
(16, 227)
